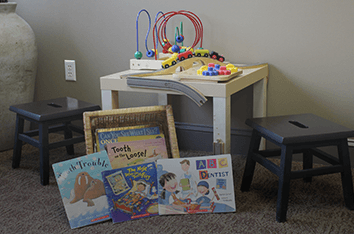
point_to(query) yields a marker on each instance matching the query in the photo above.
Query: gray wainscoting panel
(200, 137)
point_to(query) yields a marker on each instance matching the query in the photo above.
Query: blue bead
(206, 73)
(175, 48)
(150, 53)
(179, 38)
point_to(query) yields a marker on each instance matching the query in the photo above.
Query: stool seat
(298, 134)
(53, 109)
(51, 116)
(293, 129)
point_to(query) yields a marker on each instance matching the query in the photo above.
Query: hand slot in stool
(54, 105)
(298, 124)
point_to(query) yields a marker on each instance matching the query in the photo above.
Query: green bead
(138, 55)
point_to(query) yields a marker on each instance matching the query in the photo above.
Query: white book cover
(196, 185)
(82, 189)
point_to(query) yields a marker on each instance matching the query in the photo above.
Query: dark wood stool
(298, 134)
(58, 112)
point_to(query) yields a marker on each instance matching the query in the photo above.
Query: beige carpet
(317, 207)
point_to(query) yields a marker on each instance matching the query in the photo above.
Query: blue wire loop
(160, 12)
(138, 53)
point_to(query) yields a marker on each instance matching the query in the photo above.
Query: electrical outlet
(70, 70)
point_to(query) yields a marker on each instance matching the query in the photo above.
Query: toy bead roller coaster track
(187, 69)
(161, 30)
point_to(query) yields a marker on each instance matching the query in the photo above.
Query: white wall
(307, 43)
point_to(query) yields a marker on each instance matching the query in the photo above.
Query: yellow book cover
(139, 138)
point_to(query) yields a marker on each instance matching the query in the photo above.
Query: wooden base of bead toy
(192, 75)
(148, 64)
(186, 70)
(142, 64)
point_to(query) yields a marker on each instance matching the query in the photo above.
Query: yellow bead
(229, 66)
(233, 70)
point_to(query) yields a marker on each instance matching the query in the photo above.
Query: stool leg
(67, 135)
(250, 162)
(44, 153)
(347, 181)
(284, 182)
(307, 163)
(16, 158)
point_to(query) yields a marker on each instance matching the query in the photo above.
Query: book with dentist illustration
(196, 185)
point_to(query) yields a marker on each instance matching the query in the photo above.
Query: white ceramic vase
(18, 67)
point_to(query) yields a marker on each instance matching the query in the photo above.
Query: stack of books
(131, 177)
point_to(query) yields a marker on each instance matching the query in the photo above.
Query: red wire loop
(161, 30)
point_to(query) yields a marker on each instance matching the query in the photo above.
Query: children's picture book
(123, 154)
(82, 190)
(131, 192)
(196, 185)
(109, 135)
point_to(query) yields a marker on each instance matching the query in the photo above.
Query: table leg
(162, 99)
(222, 122)
(260, 103)
(109, 99)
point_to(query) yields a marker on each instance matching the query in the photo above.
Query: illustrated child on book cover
(169, 183)
(131, 192)
(206, 188)
(203, 190)
(187, 181)
(174, 201)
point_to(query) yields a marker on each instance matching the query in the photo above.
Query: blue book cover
(196, 185)
(82, 189)
(111, 135)
(131, 192)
